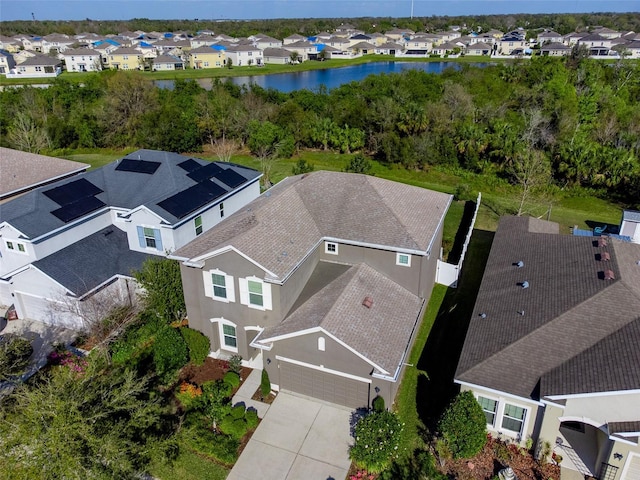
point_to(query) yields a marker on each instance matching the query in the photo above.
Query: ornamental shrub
(463, 426)
(378, 404)
(234, 427)
(232, 378)
(251, 416)
(169, 353)
(237, 412)
(377, 441)
(197, 343)
(265, 384)
(235, 364)
(15, 353)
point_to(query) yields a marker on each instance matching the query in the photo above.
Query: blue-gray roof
(31, 213)
(631, 216)
(92, 261)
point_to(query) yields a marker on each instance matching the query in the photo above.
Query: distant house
(293, 39)
(555, 49)
(243, 55)
(9, 44)
(511, 44)
(79, 238)
(124, 58)
(278, 56)
(305, 50)
(389, 48)
(549, 36)
(6, 62)
(362, 48)
(36, 67)
(213, 56)
(24, 171)
(597, 44)
(420, 45)
(479, 49)
(446, 48)
(328, 303)
(167, 62)
(82, 60)
(633, 48)
(399, 34)
(264, 41)
(551, 352)
(56, 43)
(202, 40)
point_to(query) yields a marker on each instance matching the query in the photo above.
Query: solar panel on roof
(137, 166)
(230, 177)
(189, 200)
(189, 165)
(77, 209)
(204, 173)
(72, 191)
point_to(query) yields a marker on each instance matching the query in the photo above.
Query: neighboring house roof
(170, 185)
(166, 59)
(22, 171)
(381, 332)
(79, 52)
(205, 49)
(279, 228)
(126, 51)
(92, 261)
(480, 46)
(563, 323)
(363, 46)
(40, 60)
(276, 52)
(549, 34)
(594, 37)
(555, 46)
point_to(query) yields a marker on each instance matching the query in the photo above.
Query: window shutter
(231, 288)
(208, 285)
(266, 296)
(158, 237)
(244, 291)
(143, 244)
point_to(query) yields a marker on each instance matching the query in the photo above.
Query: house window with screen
(255, 293)
(331, 248)
(489, 407)
(221, 210)
(403, 259)
(513, 418)
(198, 224)
(150, 237)
(229, 338)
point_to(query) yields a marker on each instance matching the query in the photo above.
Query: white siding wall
(144, 218)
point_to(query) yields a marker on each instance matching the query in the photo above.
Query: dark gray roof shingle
(90, 262)
(567, 309)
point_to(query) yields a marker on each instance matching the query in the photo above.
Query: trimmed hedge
(232, 378)
(265, 384)
(463, 426)
(169, 353)
(197, 343)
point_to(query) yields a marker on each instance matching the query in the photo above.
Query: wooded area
(566, 122)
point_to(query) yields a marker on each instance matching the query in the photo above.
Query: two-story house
(322, 281)
(68, 241)
(552, 353)
(82, 60)
(6, 62)
(125, 58)
(213, 56)
(243, 55)
(37, 66)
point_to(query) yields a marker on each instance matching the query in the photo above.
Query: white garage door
(632, 469)
(323, 385)
(42, 310)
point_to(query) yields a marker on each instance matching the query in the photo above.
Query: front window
(198, 225)
(149, 237)
(255, 293)
(513, 418)
(229, 338)
(219, 285)
(489, 407)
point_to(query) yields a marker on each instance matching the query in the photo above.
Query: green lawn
(189, 466)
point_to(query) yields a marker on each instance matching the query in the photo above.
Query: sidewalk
(42, 337)
(246, 391)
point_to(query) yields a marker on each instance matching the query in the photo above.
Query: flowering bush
(67, 359)
(362, 475)
(189, 395)
(377, 440)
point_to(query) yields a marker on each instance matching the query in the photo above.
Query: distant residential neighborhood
(27, 56)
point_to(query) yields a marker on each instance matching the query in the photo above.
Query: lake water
(330, 77)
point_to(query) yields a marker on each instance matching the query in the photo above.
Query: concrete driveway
(299, 438)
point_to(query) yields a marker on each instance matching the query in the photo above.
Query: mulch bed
(258, 397)
(212, 369)
(495, 456)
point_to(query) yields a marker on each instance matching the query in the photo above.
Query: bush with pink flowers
(65, 358)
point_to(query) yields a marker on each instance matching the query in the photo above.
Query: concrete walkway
(42, 337)
(246, 391)
(299, 438)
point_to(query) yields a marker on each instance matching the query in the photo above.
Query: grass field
(188, 466)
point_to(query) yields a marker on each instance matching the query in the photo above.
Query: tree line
(570, 122)
(280, 28)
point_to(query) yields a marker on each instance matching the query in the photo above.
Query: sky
(254, 9)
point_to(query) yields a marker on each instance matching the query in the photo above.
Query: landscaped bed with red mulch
(212, 369)
(497, 455)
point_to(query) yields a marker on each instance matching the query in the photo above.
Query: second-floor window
(15, 246)
(150, 238)
(198, 224)
(255, 293)
(219, 286)
(221, 210)
(403, 259)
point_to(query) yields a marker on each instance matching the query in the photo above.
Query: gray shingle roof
(90, 262)
(380, 333)
(22, 170)
(568, 309)
(294, 215)
(631, 216)
(30, 213)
